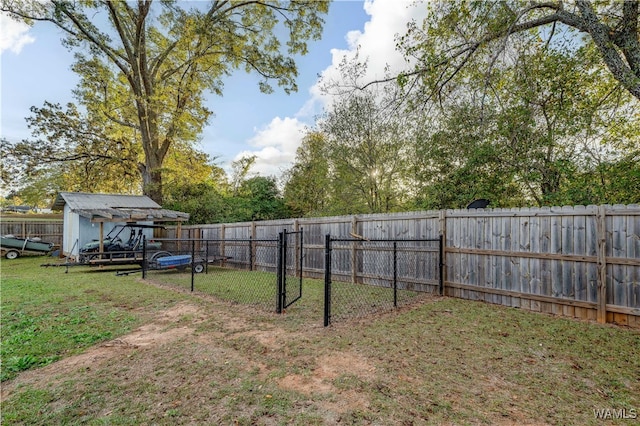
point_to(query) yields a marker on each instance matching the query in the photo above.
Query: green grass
(259, 288)
(47, 314)
(441, 361)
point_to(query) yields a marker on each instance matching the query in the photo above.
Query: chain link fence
(259, 272)
(363, 277)
(238, 271)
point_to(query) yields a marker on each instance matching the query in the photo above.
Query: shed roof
(116, 207)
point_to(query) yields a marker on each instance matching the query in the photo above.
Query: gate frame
(281, 261)
(281, 302)
(327, 267)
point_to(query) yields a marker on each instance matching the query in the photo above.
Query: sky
(35, 68)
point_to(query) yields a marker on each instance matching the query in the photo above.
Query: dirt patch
(321, 381)
(157, 333)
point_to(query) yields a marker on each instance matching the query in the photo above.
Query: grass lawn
(91, 348)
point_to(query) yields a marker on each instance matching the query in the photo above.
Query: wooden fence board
(525, 268)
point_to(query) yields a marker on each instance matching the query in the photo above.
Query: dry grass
(198, 360)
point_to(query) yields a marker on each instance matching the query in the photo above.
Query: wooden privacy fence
(581, 262)
(575, 261)
(49, 230)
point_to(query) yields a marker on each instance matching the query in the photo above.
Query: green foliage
(459, 37)
(203, 202)
(307, 187)
(144, 68)
(260, 199)
(518, 120)
(357, 160)
(257, 198)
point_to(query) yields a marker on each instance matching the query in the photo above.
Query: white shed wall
(71, 231)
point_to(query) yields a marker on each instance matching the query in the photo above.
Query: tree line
(522, 104)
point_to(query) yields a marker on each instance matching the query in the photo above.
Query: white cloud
(13, 35)
(376, 44)
(277, 144)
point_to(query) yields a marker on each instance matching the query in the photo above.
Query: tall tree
(307, 187)
(146, 65)
(528, 132)
(367, 140)
(366, 150)
(456, 32)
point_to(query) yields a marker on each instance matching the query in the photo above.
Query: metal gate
(363, 276)
(249, 271)
(290, 255)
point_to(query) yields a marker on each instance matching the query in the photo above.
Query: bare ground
(135, 351)
(217, 363)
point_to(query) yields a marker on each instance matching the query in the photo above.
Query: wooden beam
(537, 297)
(601, 221)
(545, 256)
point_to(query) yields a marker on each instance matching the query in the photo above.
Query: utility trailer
(165, 260)
(179, 262)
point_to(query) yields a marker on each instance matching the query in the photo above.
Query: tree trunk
(151, 182)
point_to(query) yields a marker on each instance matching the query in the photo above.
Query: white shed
(89, 217)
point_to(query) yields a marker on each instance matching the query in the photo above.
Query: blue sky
(35, 67)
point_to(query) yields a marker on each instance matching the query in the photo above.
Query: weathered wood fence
(29, 226)
(581, 262)
(577, 261)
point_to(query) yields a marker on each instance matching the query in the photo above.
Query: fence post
(327, 280)
(283, 292)
(193, 263)
(252, 247)
(144, 257)
(250, 252)
(354, 252)
(441, 267)
(222, 238)
(280, 273)
(601, 226)
(301, 255)
(443, 251)
(206, 256)
(395, 274)
(297, 259)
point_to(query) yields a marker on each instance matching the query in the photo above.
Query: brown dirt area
(166, 330)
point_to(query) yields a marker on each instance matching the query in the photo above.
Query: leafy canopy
(145, 67)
